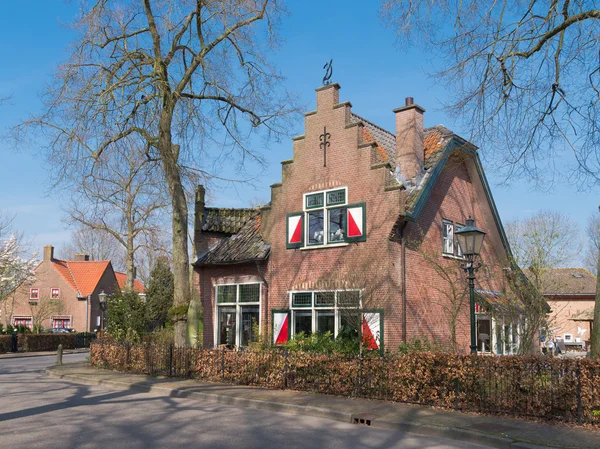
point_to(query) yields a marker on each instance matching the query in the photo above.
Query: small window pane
(315, 200)
(315, 228)
(337, 225)
(250, 316)
(227, 327)
(448, 237)
(336, 197)
(325, 321)
(249, 292)
(349, 323)
(303, 322)
(302, 299)
(226, 293)
(349, 299)
(324, 299)
(456, 245)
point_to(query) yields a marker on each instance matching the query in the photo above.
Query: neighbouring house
(64, 293)
(350, 233)
(138, 287)
(571, 294)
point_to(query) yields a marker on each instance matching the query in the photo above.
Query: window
(237, 314)
(26, 321)
(34, 294)
(447, 237)
(61, 322)
(326, 220)
(324, 311)
(54, 293)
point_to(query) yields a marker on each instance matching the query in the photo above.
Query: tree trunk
(595, 338)
(129, 263)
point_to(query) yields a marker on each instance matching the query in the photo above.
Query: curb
(20, 355)
(453, 433)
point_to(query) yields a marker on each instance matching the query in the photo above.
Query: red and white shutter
(356, 223)
(372, 330)
(281, 326)
(295, 230)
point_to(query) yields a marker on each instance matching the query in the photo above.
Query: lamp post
(470, 239)
(102, 301)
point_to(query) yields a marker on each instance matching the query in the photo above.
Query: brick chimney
(48, 253)
(82, 257)
(409, 139)
(199, 218)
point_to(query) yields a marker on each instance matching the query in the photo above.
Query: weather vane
(328, 72)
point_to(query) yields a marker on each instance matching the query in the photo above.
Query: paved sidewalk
(487, 430)
(14, 355)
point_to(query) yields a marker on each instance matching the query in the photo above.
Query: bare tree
(44, 309)
(188, 78)
(539, 244)
(525, 77)
(98, 244)
(593, 243)
(119, 197)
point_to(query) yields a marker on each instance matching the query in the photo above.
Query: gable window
(238, 313)
(54, 293)
(447, 237)
(34, 294)
(326, 219)
(458, 227)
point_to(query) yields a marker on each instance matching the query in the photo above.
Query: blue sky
(375, 76)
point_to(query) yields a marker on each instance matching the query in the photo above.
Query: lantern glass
(470, 239)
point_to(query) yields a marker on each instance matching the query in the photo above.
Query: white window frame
(238, 310)
(447, 224)
(37, 297)
(52, 293)
(337, 319)
(325, 210)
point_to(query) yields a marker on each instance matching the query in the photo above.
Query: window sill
(331, 245)
(451, 256)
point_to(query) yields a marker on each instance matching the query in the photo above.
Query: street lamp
(102, 301)
(470, 239)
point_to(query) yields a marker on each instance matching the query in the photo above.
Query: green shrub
(418, 345)
(126, 316)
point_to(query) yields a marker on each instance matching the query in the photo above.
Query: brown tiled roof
(224, 220)
(584, 315)
(244, 246)
(138, 287)
(566, 281)
(82, 276)
(386, 141)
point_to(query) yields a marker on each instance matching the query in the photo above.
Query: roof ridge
(373, 124)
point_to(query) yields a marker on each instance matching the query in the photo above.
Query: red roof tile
(82, 276)
(138, 287)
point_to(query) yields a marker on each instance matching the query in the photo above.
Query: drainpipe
(403, 275)
(87, 313)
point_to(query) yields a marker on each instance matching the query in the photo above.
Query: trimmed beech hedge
(547, 388)
(5, 343)
(46, 342)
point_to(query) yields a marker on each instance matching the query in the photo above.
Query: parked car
(62, 330)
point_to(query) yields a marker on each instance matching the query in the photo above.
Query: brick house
(77, 283)
(347, 229)
(571, 294)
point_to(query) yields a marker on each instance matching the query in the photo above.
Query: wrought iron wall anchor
(324, 144)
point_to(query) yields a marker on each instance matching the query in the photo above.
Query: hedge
(527, 386)
(5, 343)
(46, 342)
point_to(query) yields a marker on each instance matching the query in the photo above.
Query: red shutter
(281, 326)
(356, 223)
(295, 230)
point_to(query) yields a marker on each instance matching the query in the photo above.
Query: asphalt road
(37, 411)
